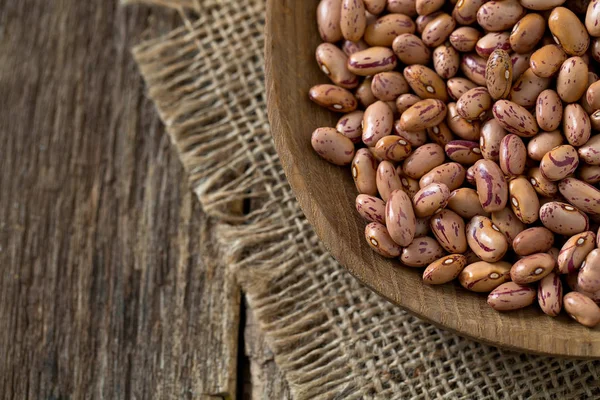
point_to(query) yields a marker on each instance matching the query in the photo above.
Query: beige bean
(492, 41)
(520, 64)
(548, 112)
(533, 240)
(508, 223)
(541, 5)
(445, 269)
(392, 148)
(491, 185)
(333, 97)
(465, 202)
(349, 47)
(332, 146)
(472, 257)
(364, 172)
(568, 31)
(473, 67)
(574, 252)
(423, 20)
(464, 39)
(414, 138)
(421, 252)
(423, 159)
(527, 88)
(384, 30)
(592, 18)
(465, 11)
(589, 108)
(426, 7)
(532, 268)
(523, 200)
(372, 61)
(513, 155)
(410, 49)
(422, 227)
(571, 82)
(485, 239)
(409, 185)
(387, 180)
(379, 239)
(451, 174)
(563, 218)
(463, 151)
(332, 62)
(370, 208)
(492, 134)
(350, 125)
(498, 74)
(496, 16)
(353, 19)
(483, 277)
(328, 20)
(387, 86)
(430, 199)
(424, 114)
(438, 30)
(375, 7)
(440, 134)
(400, 218)
(511, 296)
(474, 103)
(542, 143)
(550, 294)
(468, 130)
(589, 173)
(580, 194)
(378, 121)
(590, 151)
(588, 278)
(546, 61)
(406, 7)
(526, 34)
(582, 309)
(458, 86)
(364, 94)
(425, 82)
(446, 60)
(515, 118)
(449, 230)
(405, 101)
(541, 184)
(593, 95)
(559, 162)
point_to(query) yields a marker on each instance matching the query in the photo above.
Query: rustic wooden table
(109, 286)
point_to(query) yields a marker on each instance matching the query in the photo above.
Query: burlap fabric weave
(331, 337)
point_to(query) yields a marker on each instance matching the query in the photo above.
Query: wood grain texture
(110, 285)
(326, 194)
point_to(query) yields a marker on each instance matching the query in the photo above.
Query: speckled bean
(508, 223)
(474, 103)
(423, 160)
(446, 60)
(410, 49)
(364, 172)
(468, 130)
(424, 114)
(328, 20)
(498, 74)
(581, 194)
(333, 97)
(568, 31)
(533, 240)
(440, 134)
(387, 180)
(423, 20)
(491, 185)
(465, 11)
(465, 202)
(445, 269)
(364, 94)
(409, 185)
(483, 276)
(473, 67)
(563, 218)
(541, 184)
(379, 239)
(511, 296)
(582, 309)
(595, 120)
(463, 151)
(574, 252)
(572, 79)
(550, 294)
(414, 138)
(378, 121)
(541, 5)
(406, 7)
(559, 162)
(449, 230)
(526, 34)
(400, 218)
(548, 112)
(590, 108)
(372, 61)
(422, 227)
(592, 18)
(590, 151)
(332, 146)
(546, 61)
(387, 86)
(464, 39)
(426, 7)
(430, 199)
(588, 278)
(353, 20)
(492, 134)
(375, 7)
(515, 118)
(542, 143)
(392, 148)
(384, 30)
(349, 47)
(513, 155)
(532, 268)
(523, 200)
(589, 173)
(421, 252)
(485, 239)
(333, 63)
(370, 208)
(425, 82)
(438, 30)
(495, 16)
(350, 125)
(520, 64)
(405, 101)
(527, 88)
(451, 174)
(593, 95)
(492, 41)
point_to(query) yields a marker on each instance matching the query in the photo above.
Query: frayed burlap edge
(331, 337)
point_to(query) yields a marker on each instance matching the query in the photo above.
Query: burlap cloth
(331, 337)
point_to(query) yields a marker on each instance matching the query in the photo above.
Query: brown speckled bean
(582, 309)
(465, 11)
(559, 162)
(593, 96)
(410, 49)
(445, 269)
(458, 86)
(392, 148)
(353, 19)
(474, 103)
(415, 138)
(595, 120)
(513, 155)
(464, 39)
(574, 252)
(333, 63)
(592, 18)
(523, 200)
(423, 160)
(499, 74)
(421, 252)
(550, 294)
(492, 41)
(485, 239)
(405, 101)
(463, 151)
(581, 194)
(546, 61)
(375, 7)
(588, 278)
(527, 33)
(541, 184)
(568, 31)
(563, 218)
(542, 143)
(387, 180)
(532, 268)
(387, 86)
(449, 230)
(451, 174)
(406, 7)
(533, 240)
(425, 82)
(349, 47)
(589, 173)
(446, 60)
(364, 94)
(590, 108)
(438, 30)
(424, 114)
(520, 64)
(590, 151)
(430, 199)
(370, 208)
(384, 30)
(426, 7)
(364, 172)
(400, 218)
(491, 185)
(423, 20)
(527, 88)
(409, 185)
(378, 121)
(328, 19)
(468, 130)
(333, 97)
(495, 16)
(332, 146)
(541, 5)
(465, 202)
(483, 277)
(379, 239)
(440, 134)
(548, 111)
(492, 134)
(515, 118)
(372, 61)
(422, 227)
(572, 79)
(508, 223)
(511, 296)
(350, 125)
(473, 67)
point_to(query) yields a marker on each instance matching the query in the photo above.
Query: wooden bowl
(326, 194)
